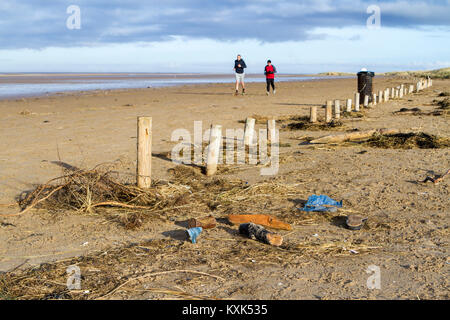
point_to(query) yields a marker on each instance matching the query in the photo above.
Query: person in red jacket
(270, 71)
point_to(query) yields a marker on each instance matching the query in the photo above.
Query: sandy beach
(406, 234)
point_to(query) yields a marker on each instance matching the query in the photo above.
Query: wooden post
(411, 89)
(357, 101)
(400, 94)
(337, 109)
(386, 95)
(349, 105)
(374, 101)
(418, 86)
(329, 111)
(313, 115)
(366, 101)
(380, 96)
(271, 134)
(144, 152)
(213, 150)
(248, 131)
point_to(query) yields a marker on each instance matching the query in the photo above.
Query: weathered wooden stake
(411, 89)
(329, 111)
(213, 150)
(374, 99)
(248, 131)
(144, 152)
(357, 101)
(337, 109)
(400, 93)
(313, 115)
(380, 96)
(366, 101)
(349, 105)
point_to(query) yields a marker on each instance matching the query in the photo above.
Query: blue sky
(205, 35)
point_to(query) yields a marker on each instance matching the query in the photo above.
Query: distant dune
(436, 74)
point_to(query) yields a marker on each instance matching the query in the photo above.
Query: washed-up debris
(407, 141)
(352, 136)
(254, 231)
(437, 178)
(194, 233)
(444, 104)
(355, 222)
(259, 219)
(414, 111)
(322, 203)
(206, 222)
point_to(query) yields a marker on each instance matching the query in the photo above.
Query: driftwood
(254, 231)
(351, 136)
(437, 178)
(261, 219)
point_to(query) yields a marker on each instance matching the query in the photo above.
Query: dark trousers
(270, 82)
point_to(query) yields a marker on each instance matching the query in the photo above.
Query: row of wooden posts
(144, 129)
(383, 96)
(144, 146)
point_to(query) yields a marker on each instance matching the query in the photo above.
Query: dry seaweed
(408, 141)
(413, 111)
(117, 272)
(188, 193)
(444, 104)
(353, 114)
(304, 124)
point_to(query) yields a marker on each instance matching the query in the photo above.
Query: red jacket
(270, 71)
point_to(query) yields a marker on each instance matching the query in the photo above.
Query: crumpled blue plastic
(194, 233)
(316, 203)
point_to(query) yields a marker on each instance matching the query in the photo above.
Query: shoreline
(52, 85)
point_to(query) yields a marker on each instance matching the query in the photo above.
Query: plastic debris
(254, 231)
(194, 233)
(437, 178)
(322, 203)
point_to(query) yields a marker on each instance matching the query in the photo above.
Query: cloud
(42, 23)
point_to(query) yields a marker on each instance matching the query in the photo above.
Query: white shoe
(267, 93)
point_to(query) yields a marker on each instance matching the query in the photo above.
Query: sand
(407, 226)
